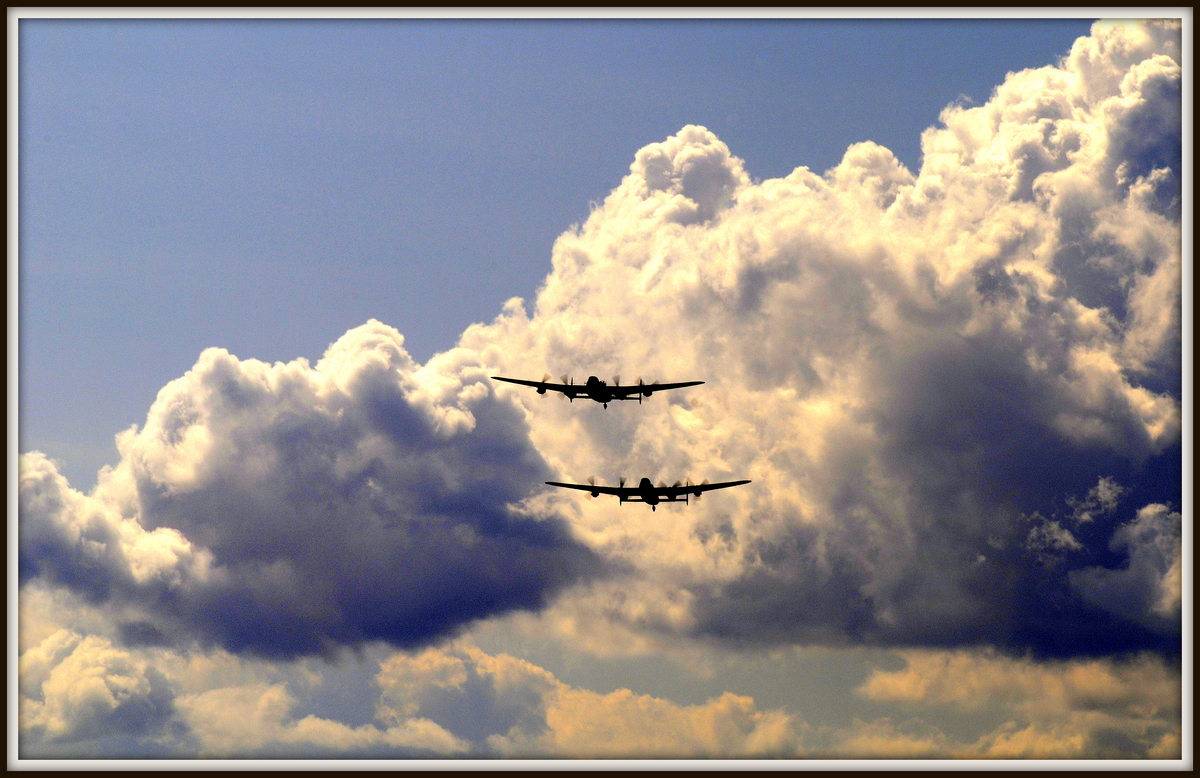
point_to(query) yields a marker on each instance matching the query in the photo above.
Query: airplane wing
(696, 489)
(615, 490)
(633, 390)
(680, 385)
(542, 385)
(723, 485)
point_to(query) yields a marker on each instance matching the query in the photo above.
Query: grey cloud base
(286, 510)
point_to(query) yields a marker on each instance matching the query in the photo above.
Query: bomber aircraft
(598, 390)
(649, 493)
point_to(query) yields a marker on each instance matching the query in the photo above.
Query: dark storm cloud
(287, 510)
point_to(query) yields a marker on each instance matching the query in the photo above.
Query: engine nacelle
(647, 392)
(595, 494)
(541, 390)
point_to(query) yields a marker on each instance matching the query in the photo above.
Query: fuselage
(647, 492)
(598, 390)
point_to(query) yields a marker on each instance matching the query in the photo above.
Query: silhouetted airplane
(597, 390)
(647, 492)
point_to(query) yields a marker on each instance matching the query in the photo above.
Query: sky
(931, 273)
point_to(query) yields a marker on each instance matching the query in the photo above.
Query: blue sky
(932, 276)
(266, 185)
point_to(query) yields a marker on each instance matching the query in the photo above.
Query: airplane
(649, 493)
(598, 390)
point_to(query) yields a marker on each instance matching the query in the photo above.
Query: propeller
(697, 495)
(616, 380)
(622, 480)
(660, 485)
(542, 389)
(592, 481)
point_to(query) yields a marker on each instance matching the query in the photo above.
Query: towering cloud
(920, 372)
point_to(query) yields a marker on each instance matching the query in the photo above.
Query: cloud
(80, 695)
(1102, 498)
(1075, 709)
(1148, 588)
(482, 704)
(507, 706)
(454, 702)
(288, 509)
(78, 688)
(1048, 537)
(256, 720)
(907, 365)
(885, 738)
